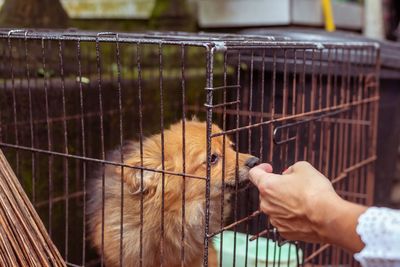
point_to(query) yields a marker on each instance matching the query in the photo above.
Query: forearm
(338, 224)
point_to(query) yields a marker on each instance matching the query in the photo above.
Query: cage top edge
(217, 41)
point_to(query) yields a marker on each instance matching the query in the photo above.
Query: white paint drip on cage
(220, 46)
(319, 46)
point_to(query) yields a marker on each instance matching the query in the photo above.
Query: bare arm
(338, 226)
(303, 205)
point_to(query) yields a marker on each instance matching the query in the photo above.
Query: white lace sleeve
(379, 229)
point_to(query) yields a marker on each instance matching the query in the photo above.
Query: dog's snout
(252, 162)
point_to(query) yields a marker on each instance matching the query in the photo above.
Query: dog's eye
(214, 158)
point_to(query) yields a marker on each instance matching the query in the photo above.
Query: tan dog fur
(195, 147)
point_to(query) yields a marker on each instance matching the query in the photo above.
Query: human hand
(302, 205)
(298, 202)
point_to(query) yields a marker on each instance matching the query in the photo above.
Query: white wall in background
(230, 13)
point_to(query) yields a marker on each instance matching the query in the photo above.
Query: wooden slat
(23, 238)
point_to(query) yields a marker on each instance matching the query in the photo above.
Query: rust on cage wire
(135, 149)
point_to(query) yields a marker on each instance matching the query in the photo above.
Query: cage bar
(76, 106)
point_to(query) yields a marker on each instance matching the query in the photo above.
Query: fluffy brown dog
(195, 164)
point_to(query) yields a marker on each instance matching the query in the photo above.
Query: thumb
(259, 173)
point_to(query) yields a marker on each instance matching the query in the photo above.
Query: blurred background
(305, 19)
(374, 18)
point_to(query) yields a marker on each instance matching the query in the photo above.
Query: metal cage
(68, 98)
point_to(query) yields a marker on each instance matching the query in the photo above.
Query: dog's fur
(195, 164)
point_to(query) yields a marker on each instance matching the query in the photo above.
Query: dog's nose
(252, 162)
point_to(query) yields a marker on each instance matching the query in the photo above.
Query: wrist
(335, 222)
(323, 213)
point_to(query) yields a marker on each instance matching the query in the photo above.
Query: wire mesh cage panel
(135, 148)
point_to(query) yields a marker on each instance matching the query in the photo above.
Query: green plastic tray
(287, 255)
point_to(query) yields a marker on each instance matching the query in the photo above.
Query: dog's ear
(140, 177)
(146, 171)
(146, 179)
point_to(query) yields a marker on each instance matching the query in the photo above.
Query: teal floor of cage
(263, 252)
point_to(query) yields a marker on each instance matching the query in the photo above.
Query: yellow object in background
(328, 15)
